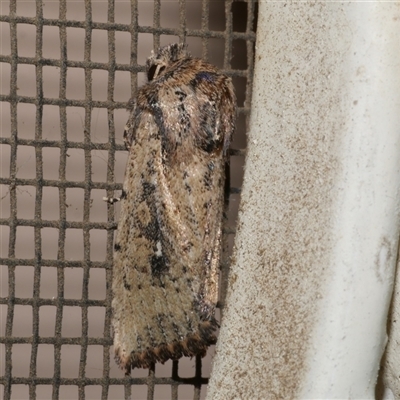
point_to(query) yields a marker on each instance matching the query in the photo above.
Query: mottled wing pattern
(167, 247)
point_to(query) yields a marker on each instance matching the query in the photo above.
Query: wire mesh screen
(68, 70)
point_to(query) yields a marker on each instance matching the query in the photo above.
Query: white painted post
(313, 270)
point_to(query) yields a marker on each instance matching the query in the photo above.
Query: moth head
(158, 62)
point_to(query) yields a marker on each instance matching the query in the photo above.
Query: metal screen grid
(109, 385)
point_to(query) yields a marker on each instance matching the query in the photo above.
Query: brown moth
(168, 242)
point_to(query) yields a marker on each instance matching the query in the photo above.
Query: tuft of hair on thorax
(165, 56)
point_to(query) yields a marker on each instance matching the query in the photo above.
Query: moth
(168, 241)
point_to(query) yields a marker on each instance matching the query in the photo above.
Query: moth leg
(111, 200)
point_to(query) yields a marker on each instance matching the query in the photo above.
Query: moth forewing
(168, 242)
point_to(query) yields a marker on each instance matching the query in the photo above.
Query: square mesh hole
(25, 242)
(51, 123)
(75, 119)
(71, 327)
(99, 125)
(26, 197)
(97, 284)
(76, 83)
(26, 162)
(73, 283)
(48, 283)
(96, 319)
(75, 165)
(74, 244)
(51, 40)
(22, 323)
(5, 34)
(47, 319)
(24, 286)
(51, 82)
(21, 354)
(26, 80)
(26, 37)
(5, 77)
(26, 120)
(49, 238)
(45, 361)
